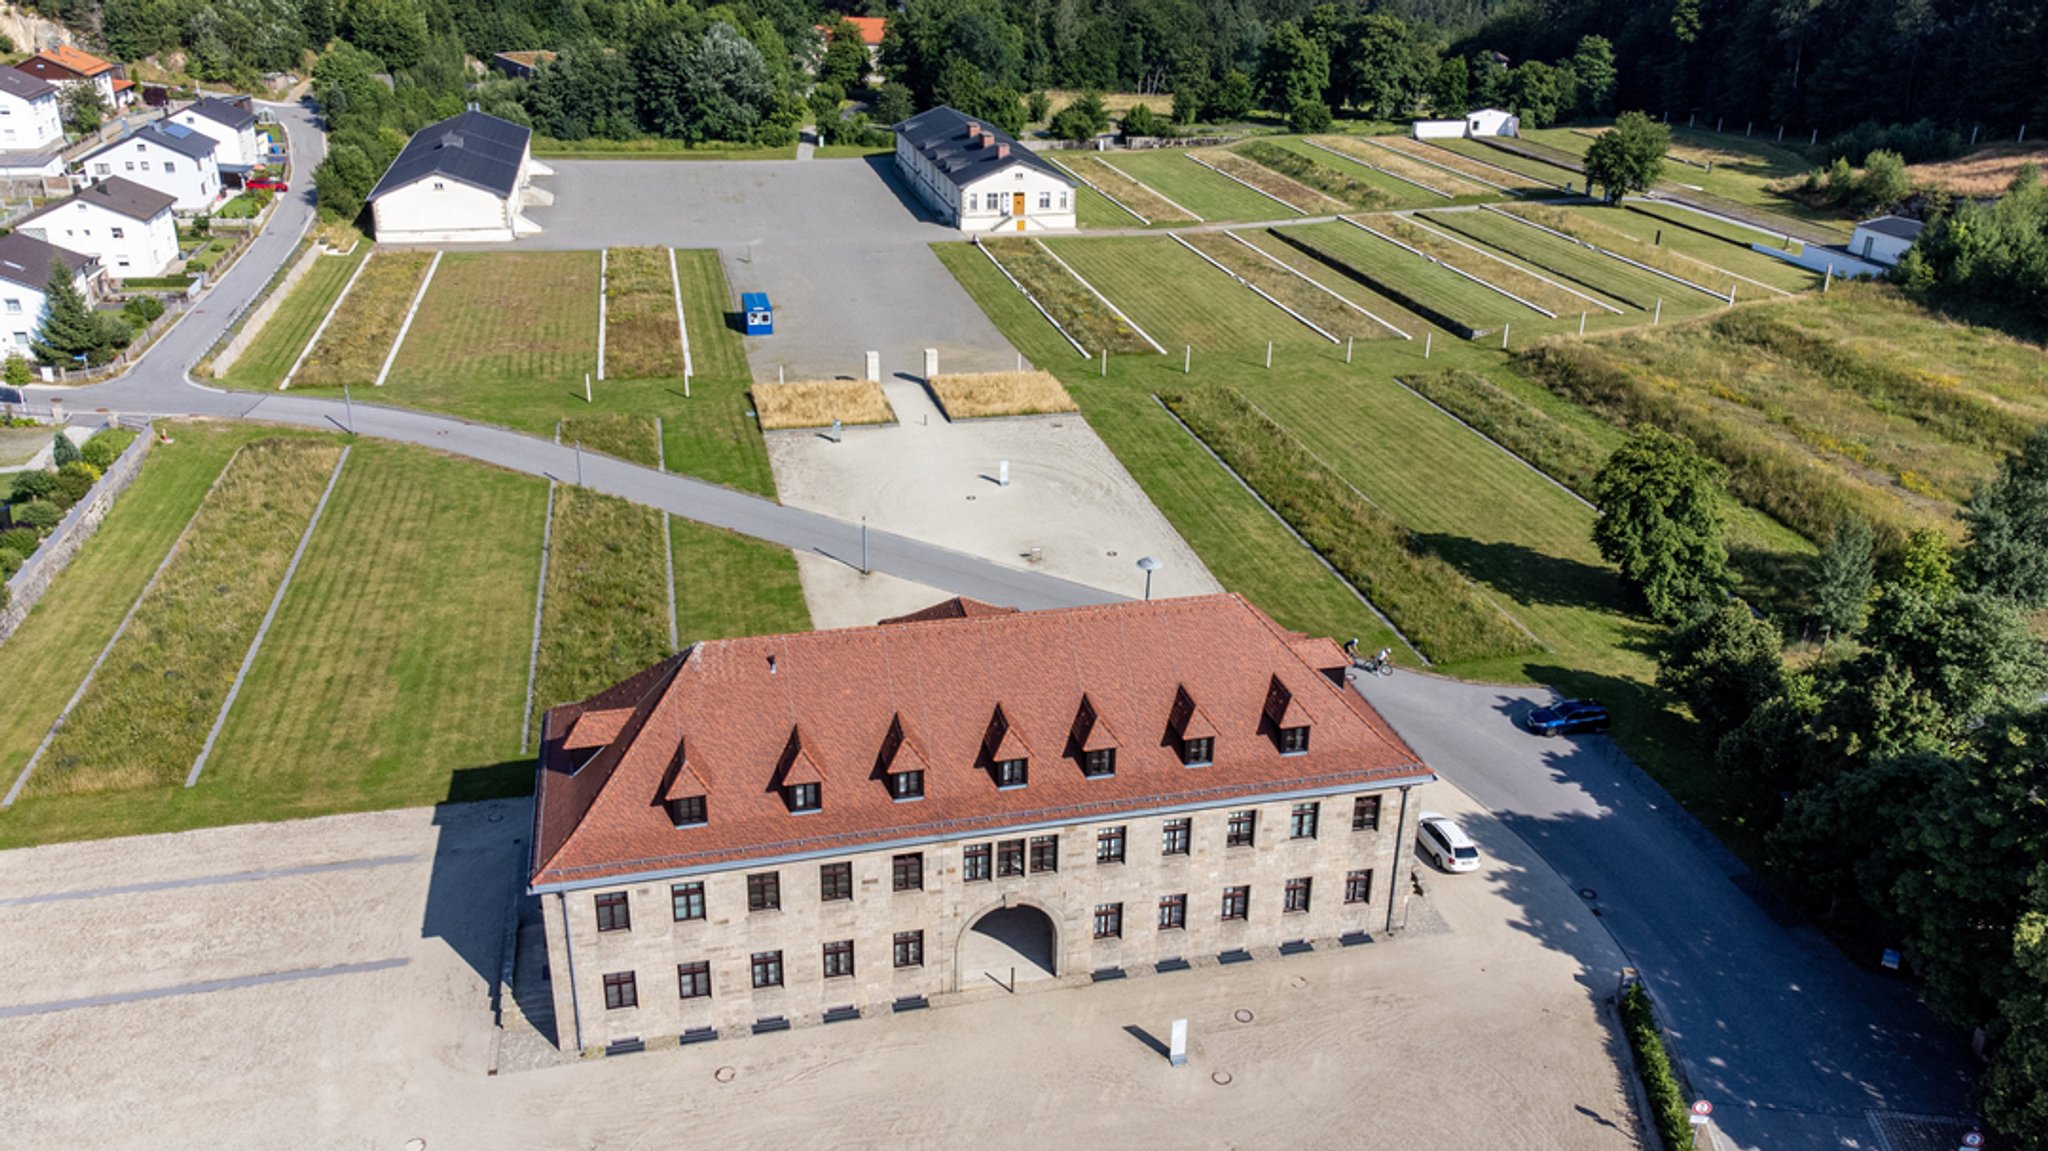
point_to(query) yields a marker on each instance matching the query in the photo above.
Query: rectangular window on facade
(1237, 902)
(839, 959)
(767, 968)
(1044, 200)
(168, 166)
(835, 882)
(1109, 845)
(1012, 772)
(693, 980)
(907, 872)
(907, 785)
(1109, 920)
(102, 169)
(1063, 201)
(1293, 740)
(973, 202)
(974, 863)
(1358, 886)
(1301, 822)
(688, 811)
(1365, 813)
(1099, 764)
(1198, 752)
(688, 900)
(613, 914)
(910, 949)
(619, 991)
(1045, 853)
(117, 233)
(804, 797)
(1173, 912)
(1177, 837)
(14, 307)
(1010, 858)
(1297, 893)
(764, 891)
(1242, 829)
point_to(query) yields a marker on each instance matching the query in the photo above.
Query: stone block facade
(1327, 838)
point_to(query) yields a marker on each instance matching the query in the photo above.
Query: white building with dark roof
(170, 158)
(127, 227)
(978, 178)
(463, 180)
(31, 119)
(231, 125)
(1885, 239)
(25, 264)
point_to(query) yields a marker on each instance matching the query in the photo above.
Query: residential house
(66, 66)
(871, 30)
(168, 157)
(127, 227)
(25, 267)
(800, 828)
(464, 179)
(231, 125)
(31, 116)
(521, 65)
(978, 178)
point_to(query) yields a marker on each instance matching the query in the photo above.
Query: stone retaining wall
(78, 525)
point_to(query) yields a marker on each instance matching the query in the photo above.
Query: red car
(267, 186)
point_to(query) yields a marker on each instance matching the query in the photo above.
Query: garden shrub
(21, 541)
(144, 309)
(72, 486)
(62, 450)
(33, 485)
(100, 453)
(1653, 1063)
(10, 562)
(42, 515)
(79, 467)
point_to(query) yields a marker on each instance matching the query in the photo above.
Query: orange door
(1017, 209)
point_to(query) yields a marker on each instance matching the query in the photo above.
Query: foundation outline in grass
(1263, 294)
(57, 725)
(1254, 187)
(1133, 212)
(1553, 481)
(1056, 325)
(1588, 244)
(1490, 165)
(1392, 175)
(1314, 283)
(1164, 198)
(227, 703)
(398, 341)
(1451, 268)
(1417, 221)
(1446, 169)
(1118, 312)
(314, 340)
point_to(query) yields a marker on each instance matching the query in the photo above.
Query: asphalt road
(1794, 1045)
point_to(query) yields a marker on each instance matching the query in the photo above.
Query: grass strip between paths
(1118, 185)
(1087, 320)
(272, 349)
(606, 611)
(641, 338)
(1425, 597)
(1307, 173)
(358, 338)
(1558, 450)
(1290, 193)
(148, 713)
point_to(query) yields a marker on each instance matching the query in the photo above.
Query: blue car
(1573, 715)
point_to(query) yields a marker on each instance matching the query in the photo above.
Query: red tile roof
(871, 29)
(959, 607)
(71, 59)
(734, 720)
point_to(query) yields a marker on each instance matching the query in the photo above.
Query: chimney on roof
(1002, 151)
(771, 665)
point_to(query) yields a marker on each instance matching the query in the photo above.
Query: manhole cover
(1588, 893)
(1242, 1016)
(415, 1145)
(724, 1074)
(495, 817)
(1220, 1078)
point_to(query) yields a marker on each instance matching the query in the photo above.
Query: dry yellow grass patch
(967, 397)
(1985, 172)
(816, 403)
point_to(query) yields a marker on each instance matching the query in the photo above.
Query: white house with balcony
(231, 125)
(978, 178)
(128, 228)
(170, 158)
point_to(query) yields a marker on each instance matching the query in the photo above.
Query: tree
(1724, 663)
(1660, 521)
(1080, 121)
(84, 108)
(395, 31)
(69, 330)
(1628, 157)
(1233, 97)
(1592, 64)
(62, 451)
(1926, 566)
(1933, 667)
(892, 103)
(846, 57)
(1308, 115)
(2007, 520)
(1882, 183)
(345, 177)
(730, 95)
(1190, 96)
(1539, 92)
(1140, 121)
(1448, 92)
(1037, 106)
(1293, 69)
(18, 372)
(1842, 578)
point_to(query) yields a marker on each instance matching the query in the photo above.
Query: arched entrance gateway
(1007, 946)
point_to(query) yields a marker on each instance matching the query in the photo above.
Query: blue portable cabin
(760, 315)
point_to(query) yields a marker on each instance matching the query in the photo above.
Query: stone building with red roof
(799, 828)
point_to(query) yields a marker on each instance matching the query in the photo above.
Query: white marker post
(1105, 362)
(1426, 338)
(1657, 317)
(874, 367)
(931, 363)
(586, 389)
(1177, 1055)
(1269, 354)
(1349, 343)
(1504, 328)
(1187, 359)
(1582, 323)
(1003, 474)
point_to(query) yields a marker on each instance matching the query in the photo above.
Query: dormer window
(802, 797)
(1199, 751)
(687, 812)
(907, 785)
(1293, 740)
(1012, 772)
(1099, 764)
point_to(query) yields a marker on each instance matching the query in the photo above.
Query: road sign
(1697, 1120)
(1702, 1108)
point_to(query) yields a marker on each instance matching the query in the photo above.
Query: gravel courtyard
(374, 1028)
(1070, 509)
(841, 248)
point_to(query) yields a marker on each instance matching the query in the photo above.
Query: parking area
(840, 247)
(323, 983)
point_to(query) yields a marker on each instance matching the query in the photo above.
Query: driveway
(1797, 1048)
(841, 247)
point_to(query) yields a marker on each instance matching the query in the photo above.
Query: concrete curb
(269, 617)
(540, 603)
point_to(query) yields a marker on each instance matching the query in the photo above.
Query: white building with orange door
(978, 178)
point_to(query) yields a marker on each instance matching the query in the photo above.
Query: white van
(1446, 843)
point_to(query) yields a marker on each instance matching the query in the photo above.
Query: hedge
(1668, 1110)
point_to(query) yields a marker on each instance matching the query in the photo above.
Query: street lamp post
(1148, 565)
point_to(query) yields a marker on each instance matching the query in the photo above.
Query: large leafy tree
(1934, 666)
(1293, 69)
(846, 58)
(1660, 521)
(1629, 157)
(395, 31)
(1592, 64)
(2008, 528)
(728, 87)
(1724, 663)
